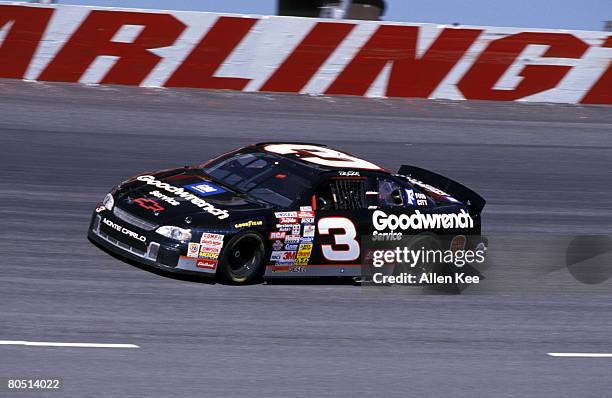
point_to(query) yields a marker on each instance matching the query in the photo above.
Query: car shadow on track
(319, 281)
(199, 278)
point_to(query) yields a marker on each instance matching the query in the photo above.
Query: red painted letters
(307, 58)
(410, 76)
(601, 92)
(95, 38)
(199, 67)
(26, 26)
(479, 82)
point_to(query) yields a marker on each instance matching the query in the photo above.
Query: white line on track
(53, 344)
(579, 355)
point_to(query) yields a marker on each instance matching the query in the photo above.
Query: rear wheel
(431, 242)
(242, 259)
(422, 242)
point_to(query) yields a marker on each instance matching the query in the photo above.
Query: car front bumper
(157, 254)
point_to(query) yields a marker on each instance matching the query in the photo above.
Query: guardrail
(303, 55)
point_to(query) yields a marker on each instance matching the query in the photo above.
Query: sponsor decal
(248, 224)
(416, 198)
(283, 256)
(124, 230)
(349, 173)
(308, 220)
(306, 240)
(288, 220)
(306, 246)
(195, 200)
(421, 199)
(297, 269)
(291, 246)
(301, 260)
(410, 197)
(309, 231)
(210, 249)
(206, 263)
(193, 249)
(209, 255)
(432, 189)
(212, 237)
(295, 229)
(277, 235)
(306, 214)
(149, 204)
(292, 239)
(305, 250)
(285, 228)
(164, 198)
(419, 221)
(100, 209)
(277, 245)
(211, 245)
(305, 208)
(286, 214)
(211, 242)
(386, 236)
(204, 188)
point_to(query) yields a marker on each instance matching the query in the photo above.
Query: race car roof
(317, 156)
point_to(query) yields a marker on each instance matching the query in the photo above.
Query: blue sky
(561, 14)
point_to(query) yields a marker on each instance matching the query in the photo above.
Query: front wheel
(242, 259)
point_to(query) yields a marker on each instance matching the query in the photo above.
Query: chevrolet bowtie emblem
(149, 204)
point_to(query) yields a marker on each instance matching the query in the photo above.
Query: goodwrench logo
(418, 221)
(195, 200)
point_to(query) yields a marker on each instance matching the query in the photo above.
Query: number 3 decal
(321, 155)
(347, 239)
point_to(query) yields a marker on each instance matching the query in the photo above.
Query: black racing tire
(429, 241)
(425, 241)
(243, 259)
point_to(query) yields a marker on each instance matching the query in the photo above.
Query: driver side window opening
(389, 193)
(341, 194)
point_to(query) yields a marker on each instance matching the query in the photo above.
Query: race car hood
(168, 197)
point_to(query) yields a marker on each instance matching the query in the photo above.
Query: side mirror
(396, 195)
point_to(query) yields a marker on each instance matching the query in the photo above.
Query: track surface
(545, 171)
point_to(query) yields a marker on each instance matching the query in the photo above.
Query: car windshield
(267, 177)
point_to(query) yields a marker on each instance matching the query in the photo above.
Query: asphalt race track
(544, 169)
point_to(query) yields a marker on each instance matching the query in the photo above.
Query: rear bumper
(157, 254)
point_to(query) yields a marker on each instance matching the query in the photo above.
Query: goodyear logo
(248, 224)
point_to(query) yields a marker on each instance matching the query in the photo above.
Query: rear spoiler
(462, 193)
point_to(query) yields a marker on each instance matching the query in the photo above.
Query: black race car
(280, 210)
